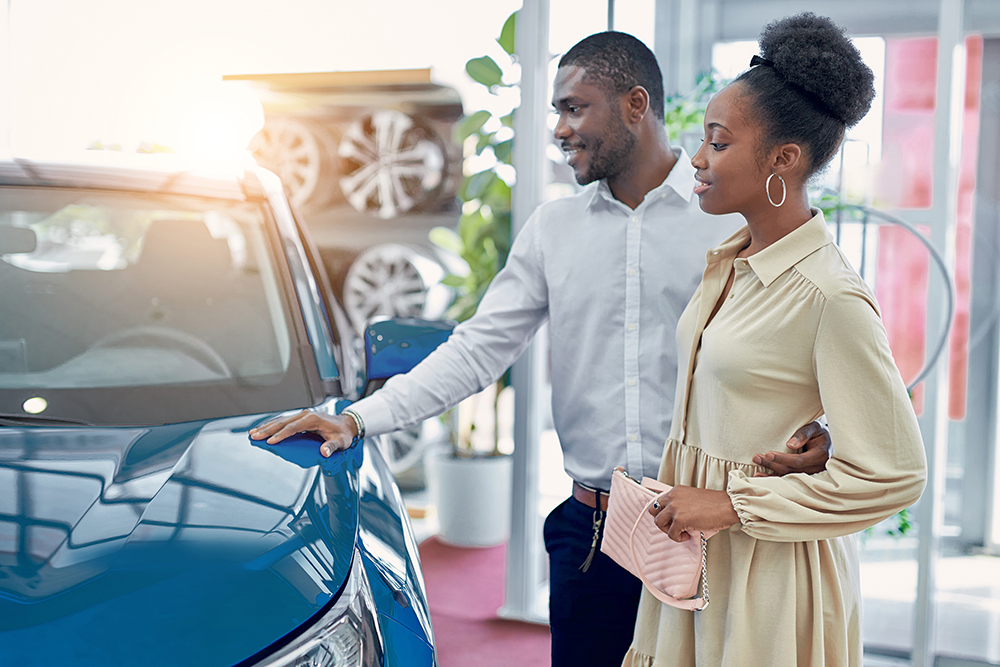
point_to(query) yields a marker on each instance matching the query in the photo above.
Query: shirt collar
(781, 255)
(680, 180)
(790, 249)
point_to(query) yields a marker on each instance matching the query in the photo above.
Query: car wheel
(404, 450)
(393, 280)
(391, 163)
(303, 155)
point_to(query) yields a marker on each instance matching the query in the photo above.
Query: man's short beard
(616, 155)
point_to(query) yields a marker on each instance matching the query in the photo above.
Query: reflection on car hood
(180, 544)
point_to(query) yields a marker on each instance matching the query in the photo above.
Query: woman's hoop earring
(767, 190)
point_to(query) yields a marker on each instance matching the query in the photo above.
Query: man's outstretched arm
(477, 354)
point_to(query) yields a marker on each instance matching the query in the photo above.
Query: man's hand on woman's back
(814, 448)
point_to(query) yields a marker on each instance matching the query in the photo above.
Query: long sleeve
(478, 351)
(878, 466)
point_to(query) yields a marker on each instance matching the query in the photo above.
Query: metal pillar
(525, 579)
(950, 97)
(7, 84)
(980, 436)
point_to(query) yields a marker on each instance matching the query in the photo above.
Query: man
(611, 268)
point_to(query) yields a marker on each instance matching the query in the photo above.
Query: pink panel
(906, 181)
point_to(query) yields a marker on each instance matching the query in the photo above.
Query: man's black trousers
(592, 613)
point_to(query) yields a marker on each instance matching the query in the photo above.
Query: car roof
(155, 173)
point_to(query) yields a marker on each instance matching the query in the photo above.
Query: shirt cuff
(376, 414)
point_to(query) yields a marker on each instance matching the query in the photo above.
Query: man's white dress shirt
(612, 283)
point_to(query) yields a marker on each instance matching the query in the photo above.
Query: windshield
(127, 308)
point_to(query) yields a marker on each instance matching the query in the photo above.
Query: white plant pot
(472, 497)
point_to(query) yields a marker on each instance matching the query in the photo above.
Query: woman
(781, 330)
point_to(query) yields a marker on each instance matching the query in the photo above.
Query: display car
(149, 317)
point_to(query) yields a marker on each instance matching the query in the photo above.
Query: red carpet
(465, 589)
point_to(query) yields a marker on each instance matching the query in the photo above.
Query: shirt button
(732, 294)
(631, 382)
(631, 327)
(635, 219)
(715, 252)
(633, 437)
(631, 272)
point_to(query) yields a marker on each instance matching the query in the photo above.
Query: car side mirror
(17, 240)
(395, 346)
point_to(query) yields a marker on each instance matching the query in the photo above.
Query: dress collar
(781, 255)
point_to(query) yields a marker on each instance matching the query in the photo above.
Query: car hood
(177, 544)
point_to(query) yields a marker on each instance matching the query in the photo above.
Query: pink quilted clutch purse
(670, 570)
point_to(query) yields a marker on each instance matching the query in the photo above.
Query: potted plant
(470, 481)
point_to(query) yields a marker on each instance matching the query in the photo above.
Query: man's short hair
(617, 61)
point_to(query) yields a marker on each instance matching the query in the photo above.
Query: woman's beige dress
(798, 336)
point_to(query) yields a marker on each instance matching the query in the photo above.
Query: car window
(143, 292)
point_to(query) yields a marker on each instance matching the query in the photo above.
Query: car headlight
(347, 635)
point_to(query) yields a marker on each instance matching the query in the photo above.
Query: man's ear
(636, 104)
(787, 158)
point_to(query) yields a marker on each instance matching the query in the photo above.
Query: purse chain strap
(704, 570)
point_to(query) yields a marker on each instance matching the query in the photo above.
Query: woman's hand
(337, 432)
(684, 510)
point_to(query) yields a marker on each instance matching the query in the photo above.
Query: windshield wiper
(11, 419)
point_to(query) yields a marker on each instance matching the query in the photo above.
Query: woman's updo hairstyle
(809, 86)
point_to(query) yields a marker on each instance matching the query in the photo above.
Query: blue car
(149, 317)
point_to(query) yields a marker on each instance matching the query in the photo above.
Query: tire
(393, 280)
(303, 154)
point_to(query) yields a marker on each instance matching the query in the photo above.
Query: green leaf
(471, 125)
(503, 150)
(485, 71)
(480, 183)
(489, 247)
(446, 238)
(453, 281)
(484, 141)
(508, 120)
(468, 229)
(506, 39)
(462, 188)
(464, 307)
(498, 196)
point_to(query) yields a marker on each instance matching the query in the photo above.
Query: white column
(677, 43)
(525, 582)
(950, 97)
(6, 81)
